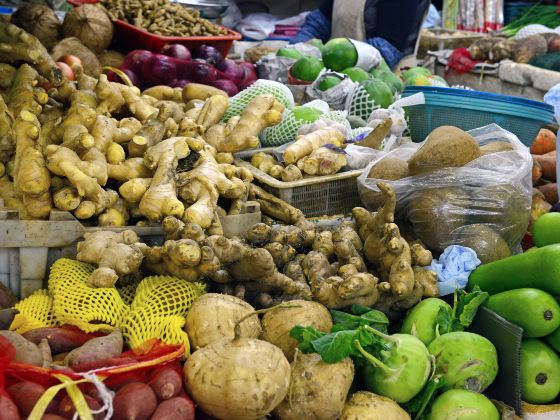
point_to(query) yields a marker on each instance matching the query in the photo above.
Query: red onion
(227, 86)
(179, 83)
(134, 60)
(113, 77)
(198, 72)
(177, 51)
(232, 71)
(249, 78)
(209, 54)
(159, 69)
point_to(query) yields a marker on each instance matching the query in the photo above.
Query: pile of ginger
(113, 155)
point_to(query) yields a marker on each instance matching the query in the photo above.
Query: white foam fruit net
(360, 104)
(238, 102)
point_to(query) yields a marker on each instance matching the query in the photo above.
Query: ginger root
(324, 161)
(307, 143)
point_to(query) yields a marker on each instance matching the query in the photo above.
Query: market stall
(193, 228)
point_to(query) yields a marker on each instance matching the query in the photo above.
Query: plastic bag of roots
(467, 188)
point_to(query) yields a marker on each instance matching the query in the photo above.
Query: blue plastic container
(468, 109)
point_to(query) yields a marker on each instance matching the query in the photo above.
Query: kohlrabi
(465, 360)
(464, 405)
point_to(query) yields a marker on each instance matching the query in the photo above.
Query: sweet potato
(66, 407)
(26, 351)
(8, 409)
(96, 350)
(536, 172)
(6, 317)
(166, 383)
(48, 416)
(548, 165)
(135, 401)
(176, 408)
(539, 206)
(550, 192)
(545, 142)
(7, 298)
(26, 395)
(60, 339)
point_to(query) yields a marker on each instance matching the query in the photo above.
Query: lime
(383, 65)
(339, 53)
(307, 68)
(356, 74)
(307, 113)
(379, 92)
(316, 43)
(328, 82)
(289, 52)
(391, 80)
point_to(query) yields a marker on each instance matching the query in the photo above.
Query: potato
(134, 401)
(278, 322)
(243, 378)
(25, 395)
(66, 407)
(26, 351)
(213, 316)
(495, 147)
(445, 147)
(202, 92)
(8, 409)
(367, 405)
(318, 389)
(166, 383)
(485, 241)
(390, 168)
(176, 408)
(427, 210)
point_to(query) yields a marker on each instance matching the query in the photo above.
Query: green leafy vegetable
(417, 406)
(305, 336)
(372, 317)
(465, 306)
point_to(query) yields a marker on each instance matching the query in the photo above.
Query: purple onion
(232, 71)
(159, 69)
(135, 59)
(177, 51)
(209, 54)
(227, 86)
(179, 83)
(113, 77)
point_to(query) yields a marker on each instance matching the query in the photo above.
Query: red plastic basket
(128, 37)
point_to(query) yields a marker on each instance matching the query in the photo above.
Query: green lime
(316, 43)
(328, 82)
(383, 65)
(379, 92)
(289, 52)
(356, 74)
(307, 113)
(339, 54)
(391, 80)
(307, 68)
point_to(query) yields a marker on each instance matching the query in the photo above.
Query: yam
(8, 409)
(7, 298)
(134, 401)
(177, 408)
(60, 340)
(96, 350)
(445, 147)
(496, 147)
(389, 168)
(485, 241)
(318, 390)
(166, 383)
(26, 351)
(213, 317)
(25, 395)
(278, 322)
(67, 409)
(544, 143)
(239, 379)
(367, 405)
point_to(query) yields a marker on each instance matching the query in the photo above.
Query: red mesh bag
(461, 61)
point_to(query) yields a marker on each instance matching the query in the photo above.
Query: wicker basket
(317, 196)
(438, 39)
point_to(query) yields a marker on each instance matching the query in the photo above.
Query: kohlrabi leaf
(359, 309)
(336, 346)
(467, 305)
(346, 321)
(444, 321)
(305, 336)
(417, 406)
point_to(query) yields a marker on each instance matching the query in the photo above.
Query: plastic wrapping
(335, 96)
(484, 205)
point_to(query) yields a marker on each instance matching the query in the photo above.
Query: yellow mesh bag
(159, 309)
(127, 293)
(35, 311)
(75, 303)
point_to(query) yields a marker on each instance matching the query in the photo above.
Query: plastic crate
(317, 196)
(129, 37)
(472, 109)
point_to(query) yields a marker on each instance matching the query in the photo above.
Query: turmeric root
(115, 254)
(307, 143)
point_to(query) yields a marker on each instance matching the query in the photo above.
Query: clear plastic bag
(484, 205)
